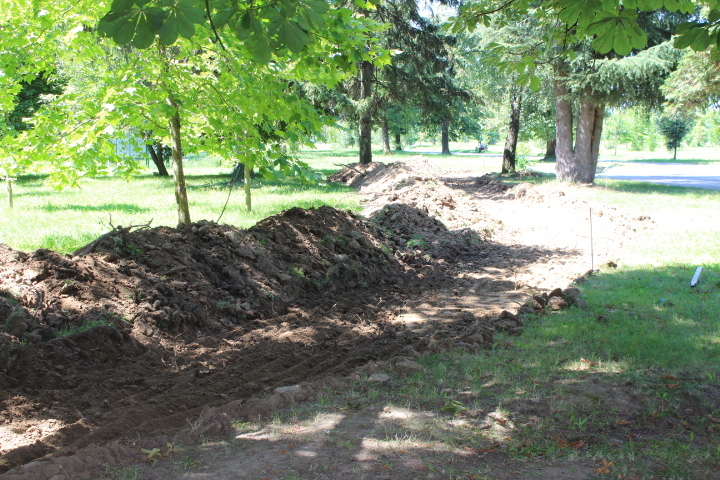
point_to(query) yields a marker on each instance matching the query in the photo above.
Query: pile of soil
(159, 328)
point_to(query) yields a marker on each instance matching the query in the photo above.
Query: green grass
(690, 155)
(68, 219)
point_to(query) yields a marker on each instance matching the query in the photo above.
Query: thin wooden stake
(592, 253)
(696, 277)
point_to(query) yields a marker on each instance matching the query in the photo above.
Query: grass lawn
(694, 155)
(66, 220)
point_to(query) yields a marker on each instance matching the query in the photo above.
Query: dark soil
(139, 340)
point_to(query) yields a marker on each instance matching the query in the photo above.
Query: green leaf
(714, 15)
(318, 7)
(121, 5)
(169, 31)
(292, 36)
(261, 50)
(222, 17)
(604, 41)
(639, 38)
(113, 22)
(454, 407)
(126, 32)
(192, 11)
(672, 5)
(621, 44)
(535, 84)
(144, 33)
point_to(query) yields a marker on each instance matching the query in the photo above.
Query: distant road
(676, 174)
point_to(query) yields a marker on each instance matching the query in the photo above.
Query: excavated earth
(160, 334)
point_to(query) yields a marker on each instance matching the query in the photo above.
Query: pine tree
(674, 128)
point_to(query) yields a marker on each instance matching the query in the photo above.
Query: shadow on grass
(636, 389)
(629, 186)
(665, 160)
(108, 207)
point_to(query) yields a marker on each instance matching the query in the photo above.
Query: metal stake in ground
(592, 254)
(696, 277)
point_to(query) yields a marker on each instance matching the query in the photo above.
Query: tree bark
(157, 158)
(398, 145)
(550, 148)
(365, 128)
(178, 175)
(508, 164)
(11, 201)
(386, 137)
(445, 141)
(248, 193)
(576, 163)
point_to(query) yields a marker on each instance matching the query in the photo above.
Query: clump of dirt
(417, 235)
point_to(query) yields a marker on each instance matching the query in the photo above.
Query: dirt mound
(175, 279)
(159, 328)
(417, 235)
(488, 184)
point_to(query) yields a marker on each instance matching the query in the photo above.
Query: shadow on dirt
(178, 320)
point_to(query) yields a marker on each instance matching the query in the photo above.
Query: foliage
(613, 26)
(695, 83)
(201, 73)
(674, 128)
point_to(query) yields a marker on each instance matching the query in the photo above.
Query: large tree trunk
(576, 163)
(550, 148)
(386, 137)
(398, 145)
(365, 128)
(156, 153)
(508, 164)
(178, 175)
(445, 141)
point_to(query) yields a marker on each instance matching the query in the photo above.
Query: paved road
(677, 174)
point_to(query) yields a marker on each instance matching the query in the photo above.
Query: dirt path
(197, 327)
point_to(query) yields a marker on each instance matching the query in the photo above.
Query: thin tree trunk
(178, 175)
(398, 145)
(550, 148)
(8, 182)
(386, 137)
(365, 128)
(508, 164)
(445, 141)
(157, 158)
(248, 194)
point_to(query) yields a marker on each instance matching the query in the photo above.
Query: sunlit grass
(68, 219)
(700, 155)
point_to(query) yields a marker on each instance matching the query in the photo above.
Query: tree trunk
(248, 194)
(178, 175)
(398, 145)
(445, 141)
(674, 158)
(576, 164)
(386, 137)
(157, 158)
(8, 182)
(550, 148)
(508, 164)
(365, 129)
